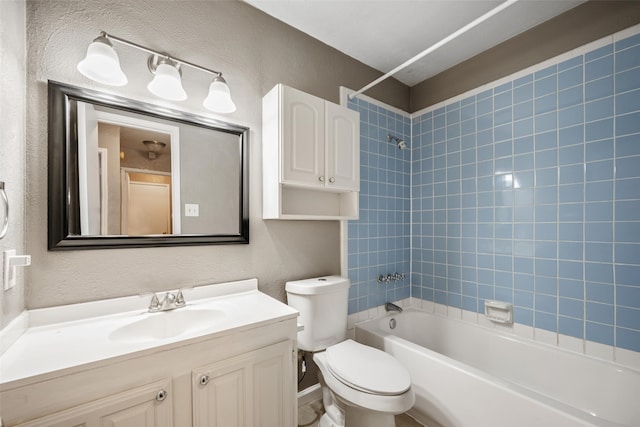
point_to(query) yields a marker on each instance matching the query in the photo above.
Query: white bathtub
(466, 375)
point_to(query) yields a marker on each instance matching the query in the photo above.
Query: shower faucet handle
(398, 276)
(391, 277)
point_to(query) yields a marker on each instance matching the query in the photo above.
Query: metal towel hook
(5, 203)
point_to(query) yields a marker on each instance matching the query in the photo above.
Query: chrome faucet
(170, 301)
(392, 307)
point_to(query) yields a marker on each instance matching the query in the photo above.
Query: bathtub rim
(507, 335)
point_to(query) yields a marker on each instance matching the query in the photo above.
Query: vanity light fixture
(167, 80)
(219, 98)
(101, 64)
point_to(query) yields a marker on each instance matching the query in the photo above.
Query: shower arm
(439, 44)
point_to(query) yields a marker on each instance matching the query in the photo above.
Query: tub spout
(392, 307)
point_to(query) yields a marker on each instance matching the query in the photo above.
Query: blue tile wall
(379, 241)
(528, 193)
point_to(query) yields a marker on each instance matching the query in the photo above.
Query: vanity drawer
(149, 405)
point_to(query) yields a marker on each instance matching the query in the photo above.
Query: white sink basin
(168, 324)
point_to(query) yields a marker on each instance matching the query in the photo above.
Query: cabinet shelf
(299, 203)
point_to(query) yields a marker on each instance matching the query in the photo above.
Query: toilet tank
(322, 303)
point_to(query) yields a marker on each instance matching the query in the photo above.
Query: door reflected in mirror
(136, 175)
(146, 204)
(128, 168)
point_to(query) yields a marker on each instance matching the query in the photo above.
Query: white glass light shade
(101, 64)
(167, 83)
(219, 98)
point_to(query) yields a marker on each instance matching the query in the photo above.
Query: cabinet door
(250, 390)
(343, 148)
(303, 149)
(147, 406)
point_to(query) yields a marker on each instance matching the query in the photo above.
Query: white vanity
(225, 359)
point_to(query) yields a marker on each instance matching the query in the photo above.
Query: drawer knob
(204, 379)
(161, 395)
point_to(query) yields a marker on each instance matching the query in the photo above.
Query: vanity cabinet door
(146, 406)
(251, 390)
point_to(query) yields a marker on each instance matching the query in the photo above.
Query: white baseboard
(309, 394)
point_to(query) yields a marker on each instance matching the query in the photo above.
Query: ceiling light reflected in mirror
(154, 147)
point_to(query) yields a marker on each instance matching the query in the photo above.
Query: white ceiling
(385, 33)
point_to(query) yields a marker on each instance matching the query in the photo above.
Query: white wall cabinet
(250, 382)
(311, 157)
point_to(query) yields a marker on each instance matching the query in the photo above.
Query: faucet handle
(180, 302)
(155, 302)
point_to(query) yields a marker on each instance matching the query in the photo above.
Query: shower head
(401, 144)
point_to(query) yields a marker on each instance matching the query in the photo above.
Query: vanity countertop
(63, 340)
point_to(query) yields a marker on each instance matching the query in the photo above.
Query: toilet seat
(367, 369)
(392, 404)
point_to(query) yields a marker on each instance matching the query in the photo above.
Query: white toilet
(361, 385)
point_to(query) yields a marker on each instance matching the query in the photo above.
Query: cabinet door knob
(332, 180)
(204, 379)
(321, 178)
(161, 395)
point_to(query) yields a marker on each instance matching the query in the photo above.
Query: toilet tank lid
(317, 285)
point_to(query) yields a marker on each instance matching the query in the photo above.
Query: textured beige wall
(12, 142)
(576, 27)
(254, 52)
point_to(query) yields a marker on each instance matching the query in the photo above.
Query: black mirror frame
(63, 213)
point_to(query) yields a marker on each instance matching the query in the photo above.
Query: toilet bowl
(361, 385)
(367, 387)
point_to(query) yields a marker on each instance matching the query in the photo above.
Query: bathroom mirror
(124, 173)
